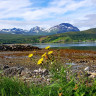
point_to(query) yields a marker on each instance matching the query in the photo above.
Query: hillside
(67, 37)
(82, 36)
(17, 38)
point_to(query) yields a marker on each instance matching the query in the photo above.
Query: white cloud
(89, 22)
(57, 11)
(54, 9)
(22, 24)
(18, 24)
(13, 8)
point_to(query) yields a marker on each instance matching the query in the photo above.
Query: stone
(27, 73)
(1, 67)
(92, 74)
(12, 71)
(37, 76)
(18, 47)
(5, 67)
(86, 69)
(42, 72)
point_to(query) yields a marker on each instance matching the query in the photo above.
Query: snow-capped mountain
(36, 29)
(13, 31)
(63, 27)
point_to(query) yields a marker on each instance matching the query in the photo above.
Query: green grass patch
(60, 84)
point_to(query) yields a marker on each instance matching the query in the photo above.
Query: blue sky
(46, 13)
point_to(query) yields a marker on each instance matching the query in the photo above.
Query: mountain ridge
(67, 37)
(61, 28)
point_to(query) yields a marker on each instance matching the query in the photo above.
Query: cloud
(12, 8)
(28, 13)
(54, 9)
(18, 24)
(24, 9)
(89, 22)
(22, 24)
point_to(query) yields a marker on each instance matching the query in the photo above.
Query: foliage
(13, 38)
(82, 36)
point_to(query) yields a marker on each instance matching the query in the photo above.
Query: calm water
(43, 45)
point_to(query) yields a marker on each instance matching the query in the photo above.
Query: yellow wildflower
(60, 94)
(44, 55)
(40, 61)
(47, 47)
(50, 52)
(34, 51)
(30, 55)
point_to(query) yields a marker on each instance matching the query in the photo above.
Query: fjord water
(43, 45)
(83, 45)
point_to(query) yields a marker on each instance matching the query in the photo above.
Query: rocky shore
(37, 76)
(18, 64)
(18, 47)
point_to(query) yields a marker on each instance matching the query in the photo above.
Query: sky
(26, 14)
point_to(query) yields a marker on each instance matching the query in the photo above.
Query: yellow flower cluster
(30, 55)
(40, 61)
(50, 52)
(44, 55)
(47, 47)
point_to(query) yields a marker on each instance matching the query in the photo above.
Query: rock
(5, 67)
(42, 72)
(83, 61)
(12, 71)
(27, 73)
(86, 69)
(18, 47)
(92, 74)
(1, 67)
(36, 76)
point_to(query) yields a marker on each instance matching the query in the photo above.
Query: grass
(60, 86)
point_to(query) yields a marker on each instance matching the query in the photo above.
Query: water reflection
(43, 45)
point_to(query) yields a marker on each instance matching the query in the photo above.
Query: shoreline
(81, 58)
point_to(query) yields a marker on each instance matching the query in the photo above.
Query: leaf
(82, 94)
(76, 94)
